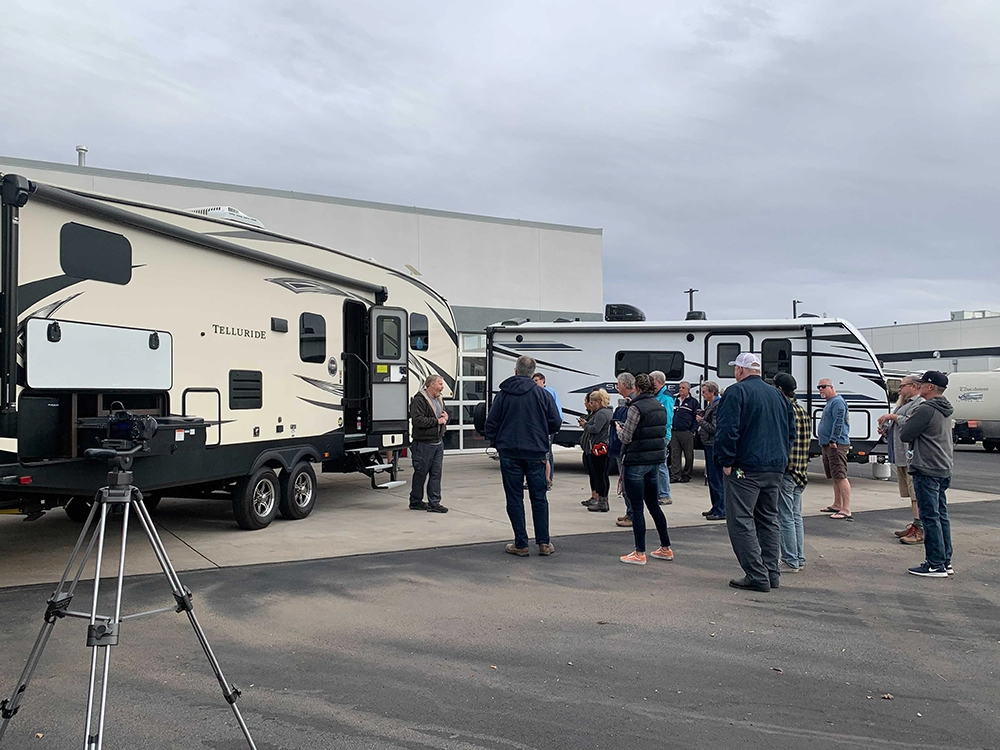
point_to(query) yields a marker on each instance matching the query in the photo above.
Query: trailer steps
(391, 485)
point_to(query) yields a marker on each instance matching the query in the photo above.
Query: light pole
(690, 294)
(795, 307)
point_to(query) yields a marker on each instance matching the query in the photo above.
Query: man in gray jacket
(909, 400)
(927, 429)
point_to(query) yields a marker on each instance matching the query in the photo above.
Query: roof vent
(696, 315)
(563, 320)
(514, 321)
(623, 313)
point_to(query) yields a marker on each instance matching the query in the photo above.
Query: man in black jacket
(753, 437)
(430, 420)
(682, 437)
(521, 419)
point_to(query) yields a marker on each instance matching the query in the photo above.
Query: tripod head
(127, 435)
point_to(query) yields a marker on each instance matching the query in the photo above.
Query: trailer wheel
(151, 501)
(78, 508)
(298, 491)
(255, 499)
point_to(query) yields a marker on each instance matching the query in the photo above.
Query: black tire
(78, 508)
(298, 491)
(989, 446)
(255, 499)
(151, 501)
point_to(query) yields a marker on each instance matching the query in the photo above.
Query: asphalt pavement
(465, 647)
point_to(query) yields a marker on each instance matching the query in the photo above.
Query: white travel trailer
(577, 357)
(976, 398)
(293, 355)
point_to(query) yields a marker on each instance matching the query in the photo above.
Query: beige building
(969, 342)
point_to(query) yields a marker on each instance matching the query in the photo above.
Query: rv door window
(670, 363)
(387, 334)
(89, 253)
(312, 338)
(775, 357)
(724, 354)
(418, 332)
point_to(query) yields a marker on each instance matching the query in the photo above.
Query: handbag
(599, 449)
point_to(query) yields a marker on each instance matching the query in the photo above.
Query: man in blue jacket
(521, 419)
(753, 437)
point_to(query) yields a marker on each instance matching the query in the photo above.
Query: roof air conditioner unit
(696, 315)
(623, 313)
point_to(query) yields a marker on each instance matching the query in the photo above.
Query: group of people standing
(756, 440)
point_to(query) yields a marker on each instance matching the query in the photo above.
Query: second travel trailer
(295, 356)
(579, 356)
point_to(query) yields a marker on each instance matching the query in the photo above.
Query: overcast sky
(840, 152)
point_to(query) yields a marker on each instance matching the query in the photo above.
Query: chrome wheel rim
(302, 491)
(263, 498)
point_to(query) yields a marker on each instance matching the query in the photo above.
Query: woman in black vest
(642, 436)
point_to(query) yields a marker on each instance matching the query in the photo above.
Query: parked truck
(976, 398)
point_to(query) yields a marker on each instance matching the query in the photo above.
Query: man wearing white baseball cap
(753, 437)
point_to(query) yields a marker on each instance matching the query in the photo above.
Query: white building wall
(963, 345)
(474, 261)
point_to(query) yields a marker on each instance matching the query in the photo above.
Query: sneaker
(906, 531)
(706, 513)
(634, 558)
(787, 567)
(713, 517)
(948, 569)
(625, 523)
(436, 508)
(510, 549)
(666, 501)
(663, 553)
(588, 502)
(545, 549)
(927, 571)
(916, 536)
(419, 506)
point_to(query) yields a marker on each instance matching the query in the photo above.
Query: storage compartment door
(390, 389)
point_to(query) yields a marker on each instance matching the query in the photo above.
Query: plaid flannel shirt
(798, 459)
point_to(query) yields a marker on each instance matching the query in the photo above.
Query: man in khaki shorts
(833, 433)
(909, 398)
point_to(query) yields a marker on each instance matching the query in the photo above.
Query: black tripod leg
(183, 598)
(57, 605)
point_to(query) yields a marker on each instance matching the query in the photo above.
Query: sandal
(829, 509)
(840, 516)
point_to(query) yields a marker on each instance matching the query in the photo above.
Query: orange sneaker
(663, 553)
(634, 558)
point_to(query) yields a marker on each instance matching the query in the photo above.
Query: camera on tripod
(126, 430)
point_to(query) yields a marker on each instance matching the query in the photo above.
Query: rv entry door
(390, 393)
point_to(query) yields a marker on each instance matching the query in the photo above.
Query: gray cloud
(841, 153)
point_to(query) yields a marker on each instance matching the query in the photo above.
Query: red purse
(600, 449)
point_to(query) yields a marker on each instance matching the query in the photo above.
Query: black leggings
(597, 468)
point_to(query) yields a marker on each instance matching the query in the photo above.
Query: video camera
(126, 430)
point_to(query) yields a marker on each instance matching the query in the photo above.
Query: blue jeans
(628, 503)
(933, 508)
(715, 487)
(514, 471)
(642, 486)
(790, 522)
(663, 477)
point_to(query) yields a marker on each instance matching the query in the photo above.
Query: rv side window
(775, 357)
(724, 354)
(387, 335)
(89, 253)
(312, 338)
(671, 363)
(418, 332)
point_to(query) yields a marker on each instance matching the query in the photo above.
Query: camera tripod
(104, 630)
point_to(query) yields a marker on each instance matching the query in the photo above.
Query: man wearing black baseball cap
(927, 430)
